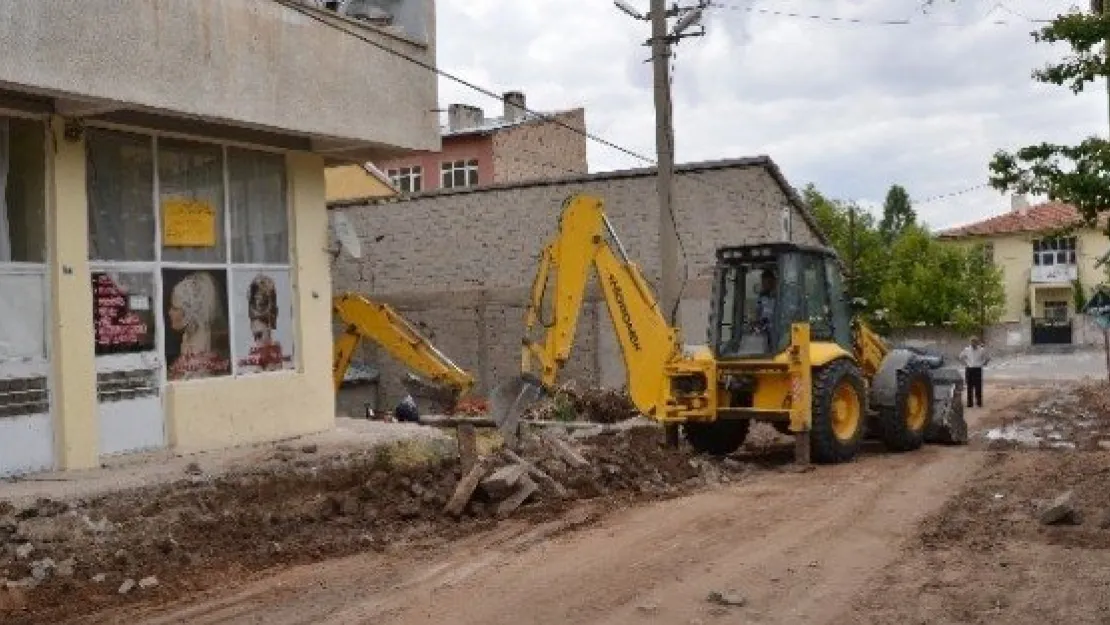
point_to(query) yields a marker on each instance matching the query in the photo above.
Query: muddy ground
(62, 559)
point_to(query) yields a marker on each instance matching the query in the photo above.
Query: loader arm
(586, 241)
(870, 348)
(365, 319)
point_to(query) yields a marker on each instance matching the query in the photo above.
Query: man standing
(974, 357)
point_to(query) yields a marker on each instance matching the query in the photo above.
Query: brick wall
(541, 150)
(462, 262)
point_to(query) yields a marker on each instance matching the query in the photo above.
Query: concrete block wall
(541, 150)
(462, 262)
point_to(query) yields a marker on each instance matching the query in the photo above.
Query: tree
(926, 283)
(1074, 174)
(854, 236)
(984, 294)
(898, 213)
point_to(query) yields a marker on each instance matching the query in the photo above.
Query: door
(128, 366)
(1055, 328)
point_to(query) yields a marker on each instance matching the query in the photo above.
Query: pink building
(478, 151)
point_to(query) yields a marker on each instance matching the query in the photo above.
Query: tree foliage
(910, 278)
(1075, 174)
(898, 213)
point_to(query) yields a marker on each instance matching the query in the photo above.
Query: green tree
(984, 296)
(898, 213)
(926, 283)
(854, 234)
(1075, 174)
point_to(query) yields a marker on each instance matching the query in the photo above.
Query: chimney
(1019, 204)
(515, 104)
(464, 117)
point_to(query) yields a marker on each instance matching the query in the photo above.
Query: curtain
(5, 159)
(259, 211)
(193, 171)
(120, 184)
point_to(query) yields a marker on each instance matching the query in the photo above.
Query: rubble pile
(594, 405)
(552, 466)
(58, 559)
(1074, 418)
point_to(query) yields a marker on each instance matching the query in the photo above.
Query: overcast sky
(851, 107)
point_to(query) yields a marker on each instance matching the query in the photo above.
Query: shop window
(216, 248)
(22, 250)
(191, 194)
(120, 188)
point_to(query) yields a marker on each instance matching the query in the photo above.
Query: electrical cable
(874, 22)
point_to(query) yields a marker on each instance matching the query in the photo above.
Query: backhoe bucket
(442, 395)
(947, 426)
(511, 400)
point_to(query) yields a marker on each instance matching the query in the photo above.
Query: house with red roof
(1046, 256)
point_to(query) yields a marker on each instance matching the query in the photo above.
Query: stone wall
(1001, 339)
(541, 149)
(462, 262)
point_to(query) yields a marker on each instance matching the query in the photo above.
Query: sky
(852, 107)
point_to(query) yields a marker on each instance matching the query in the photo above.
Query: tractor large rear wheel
(718, 438)
(838, 422)
(902, 427)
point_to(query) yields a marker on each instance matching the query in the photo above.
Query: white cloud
(852, 108)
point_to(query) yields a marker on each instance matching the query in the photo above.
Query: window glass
(192, 174)
(262, 312)
(818, 312)
(259, 212)
(748, 313)
(120, 187)
(22, 191)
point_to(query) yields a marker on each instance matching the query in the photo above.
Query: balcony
(1053, 274)
(283, 67)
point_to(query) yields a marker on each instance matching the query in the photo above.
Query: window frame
(469, 169)
(1047, 251)
(228, 265)
(37, 368)
(413, 175)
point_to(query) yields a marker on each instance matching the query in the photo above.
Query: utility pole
(662, 38)
(664, 147)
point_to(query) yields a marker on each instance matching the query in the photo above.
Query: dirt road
(801, 548)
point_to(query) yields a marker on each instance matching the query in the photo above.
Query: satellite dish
(345, 233)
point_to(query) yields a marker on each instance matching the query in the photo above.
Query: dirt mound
(1072, 418)
(61, 559)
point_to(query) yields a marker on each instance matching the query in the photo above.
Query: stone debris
(193, 468)
(127, 586)
(148, 582)
(728, 598)
(99, 578)
(309, 449)
(24, 551)
(1060, 511)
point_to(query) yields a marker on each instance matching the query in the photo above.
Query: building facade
(164, 263)
(460, 263)
(517, 147)
(1046, 259)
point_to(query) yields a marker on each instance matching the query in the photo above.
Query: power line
(952, 194)
(303, 10)
(874, 22)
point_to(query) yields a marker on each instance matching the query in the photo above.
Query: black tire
(825, 446)
(718, 438)
(896, 431)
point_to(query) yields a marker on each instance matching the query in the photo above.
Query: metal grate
(115, 386)
(21, 397)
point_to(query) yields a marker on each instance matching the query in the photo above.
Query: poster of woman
(263, 313)
(197, 344)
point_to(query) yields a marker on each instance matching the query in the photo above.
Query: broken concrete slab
(561, 448)
(525, 489)
(728, 598)
(504, 480)
(465, 489)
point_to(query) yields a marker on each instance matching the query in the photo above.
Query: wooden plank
(468, 446)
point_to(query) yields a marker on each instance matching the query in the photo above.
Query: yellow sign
(188, 223)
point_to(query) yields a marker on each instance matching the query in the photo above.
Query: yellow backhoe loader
(782, 348)
(440, 378)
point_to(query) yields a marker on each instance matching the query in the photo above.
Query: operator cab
(759, 291)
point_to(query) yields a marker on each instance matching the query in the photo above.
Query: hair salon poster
(262, 309)
(195, 311)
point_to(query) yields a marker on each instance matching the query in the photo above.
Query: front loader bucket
(948, 426)
(511, 400)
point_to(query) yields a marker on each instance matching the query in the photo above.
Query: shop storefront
(156, 291)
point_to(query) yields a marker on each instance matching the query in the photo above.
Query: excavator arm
(367, 320)
(586, 241)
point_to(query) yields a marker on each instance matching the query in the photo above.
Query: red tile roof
(1040, 218)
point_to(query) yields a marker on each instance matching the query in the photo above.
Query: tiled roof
(1039, 218)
